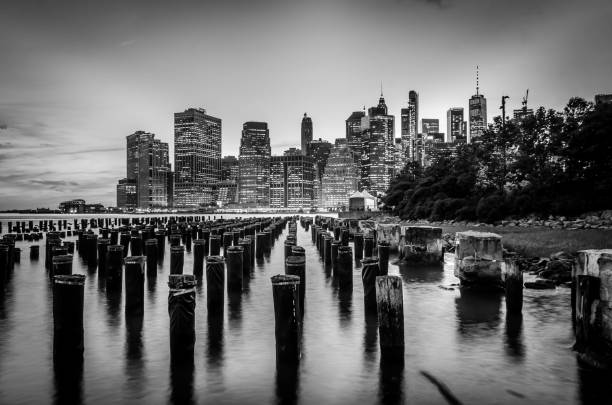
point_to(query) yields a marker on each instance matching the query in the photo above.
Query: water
(462, 339)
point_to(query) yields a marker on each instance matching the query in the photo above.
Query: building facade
(126, 194)
(341, 178)
(478, 116)
(254, 165)
(306, 134)
(378, 149)
(410, 126)
(148, 165)
(430, 125)
(197, 157)
(455, 125)
(353, 134)
(291, 180)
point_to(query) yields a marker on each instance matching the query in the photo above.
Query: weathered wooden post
(327, 249)
(298, 251)
(267, 247)
(259, 247)
(289, 244)
(383, 257)
(478, 258)
(102, 249)
(246, 258)
(215, 281)
(296, 266)
(124, 240)
(358, 245)
(215, 245)
(188, 240)
(34, 252)
(390, 307)
(369, 272)
(161, 244)
(114, 236)
(175, 239)
(134, 285)
(368, 246)
(177, 257)
(512, 277)
(136, 246)
(593, 291)
(68, 292)
(4, 270)
(335, 244)
(62, 265)
(181, 308)
(151, 253)
(69, 245)
(114, 267)
(198, 257)
(228, 238)
(234, 268)
(285, 291)
(344, 236)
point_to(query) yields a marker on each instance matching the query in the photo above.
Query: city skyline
(72, 85)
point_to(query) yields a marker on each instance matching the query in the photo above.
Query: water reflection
(594, 385)
(234, 308)
(181, 379)
(515, 347)
(478, 312)
(134, 366)
(420, 273)
(391, 380)
(287, 382)
(370, 340)
(344, 292)
(113, 306)
(68, 378)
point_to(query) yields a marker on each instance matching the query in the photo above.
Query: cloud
(127, 43)
(3, 126)
(93, 150)
(6, 145)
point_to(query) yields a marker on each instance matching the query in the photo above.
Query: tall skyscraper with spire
(410, 126)
(197, 157)
(254, 165)
(478, 112)
(306, 134)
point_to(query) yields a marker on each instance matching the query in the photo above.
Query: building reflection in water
(134, 364)
(370, 340)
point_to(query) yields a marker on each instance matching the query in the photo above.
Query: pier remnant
(422, 244)
(390, 308)
(478, 258)
(285, 291)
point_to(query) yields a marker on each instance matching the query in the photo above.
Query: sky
(78, 76)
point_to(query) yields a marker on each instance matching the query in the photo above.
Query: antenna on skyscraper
(477, 82)
(381, 91)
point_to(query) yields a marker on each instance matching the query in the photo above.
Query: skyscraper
(410, 125)
(478, 113)
(254, 163)
(353, 134)
(197, 157)
(291, 180)
(430, 125)
(126, 194)
(306, 134)
(378, 146)
(341, 177)
(455, 127)
(229, 168)
(148, 167)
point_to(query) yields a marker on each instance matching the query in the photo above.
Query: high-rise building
(410, 126)
(430, 125)
(455, 125)
(254, 163)
(197, 157)
(522, 113)
(378, 145)
(306, 133)
(478, 112)
(229, 169)
(353, 134)
(126, 194)
(148, 166)
(319, 151)
(340, 179)
(291, 180)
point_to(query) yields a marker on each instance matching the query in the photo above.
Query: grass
(541, 241)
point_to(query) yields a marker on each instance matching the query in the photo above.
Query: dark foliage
(557, 163)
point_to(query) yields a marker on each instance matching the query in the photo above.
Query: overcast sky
(77, 76)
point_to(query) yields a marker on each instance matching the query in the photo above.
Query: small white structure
(362, 201)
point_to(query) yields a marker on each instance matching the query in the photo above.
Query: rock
(561, 256)
(540, 284)
(443, 287)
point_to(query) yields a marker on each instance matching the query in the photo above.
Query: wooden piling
(215, 282)
(234, 268)
(134, 285)
(285, 292)
(390, 308)
(34, 252)
(383, 257)
(181, 308)
(512, 277)
(368, 246)
(358, 245)
(61, 265)
(296, 266)
(177, 257)
(114, 266)
(151, 253)
(68, 293)
(215, 245)
(344, 265)
(369, 272)
(327, 250)
(199, 246)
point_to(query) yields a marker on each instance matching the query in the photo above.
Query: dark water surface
(463, 339)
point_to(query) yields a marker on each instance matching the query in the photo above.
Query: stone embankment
(594, 220)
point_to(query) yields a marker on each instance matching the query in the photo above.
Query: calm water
(462, 339)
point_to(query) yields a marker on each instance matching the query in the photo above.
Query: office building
(341, 177)
(126, 194)
(291, 180)
(197, 157)
(254, 165)
(306, 134)
(455, 125)
(410, 126)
